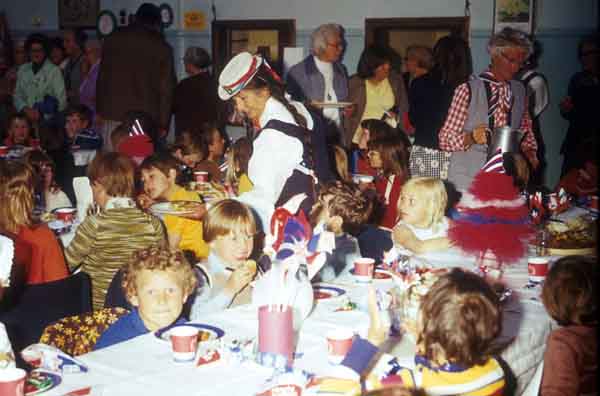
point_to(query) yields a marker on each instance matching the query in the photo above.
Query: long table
(144, 365)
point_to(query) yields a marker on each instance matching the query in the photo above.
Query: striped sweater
(105, 242)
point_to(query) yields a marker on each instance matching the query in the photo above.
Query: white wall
(560, 24)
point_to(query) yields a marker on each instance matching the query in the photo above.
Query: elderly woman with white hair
(488, 101)
(321, 77)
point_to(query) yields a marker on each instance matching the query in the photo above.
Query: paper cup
(339, 342)
(537, 268)
(276, 332)
(35, 143)
(363, 269)
(184, 342)
(3, 150)
(12, 381)
(66, 215)
(594, 202)
(201, 176)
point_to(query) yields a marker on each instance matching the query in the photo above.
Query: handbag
(428, 162)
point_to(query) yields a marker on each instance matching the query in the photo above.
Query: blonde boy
(159, 174)
(422, 226)
(157, 282)
(229, 229)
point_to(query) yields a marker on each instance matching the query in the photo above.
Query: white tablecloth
(144, 365)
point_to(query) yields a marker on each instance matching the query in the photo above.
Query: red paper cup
(35, 143)
(184, 343)
(363, 269)
(3, 150)
(201, 176)
(537, 268)
(276, 331)
(339, 342)
(12, 381)
(594, 202)
(66, 215)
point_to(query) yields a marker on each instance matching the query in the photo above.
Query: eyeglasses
(516, 62)
(338, 45)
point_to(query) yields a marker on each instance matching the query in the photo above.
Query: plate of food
(324, 292)
(39, 381)
(572, 236)
(205, 332)
(176, 208)
(331, 105)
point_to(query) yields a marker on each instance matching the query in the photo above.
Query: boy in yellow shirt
(159, 174)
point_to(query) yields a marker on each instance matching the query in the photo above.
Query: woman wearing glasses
(485, 102)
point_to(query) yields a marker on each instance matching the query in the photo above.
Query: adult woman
(105, 241)
(580, 107)
(430, 97)
(281, 164)
(194, 99)
(375, 90)
(40, 90)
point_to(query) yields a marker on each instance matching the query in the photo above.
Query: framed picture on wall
(517, 14)
(78, 13)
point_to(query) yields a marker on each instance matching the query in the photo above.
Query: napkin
(49, 358)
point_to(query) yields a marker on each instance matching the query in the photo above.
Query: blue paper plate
(215, 332)
(323, 292)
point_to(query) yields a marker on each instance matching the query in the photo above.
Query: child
(19, 131)
(50, 194)
(157, 282)
(159, 173)
(229, 229)
(189, 155)
(342, 208)
(422, 226)
(389, 157)
(213, 146)
(570, 295)
(341, 164)
(460, 317)
(136, 147)
(238, 157)
(78, 132)
(372, 129)
(107, 239)
(17, 196)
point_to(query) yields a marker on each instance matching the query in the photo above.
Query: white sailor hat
(238, 73)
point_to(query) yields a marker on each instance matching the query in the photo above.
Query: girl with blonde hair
(422, 225)
(16, 219)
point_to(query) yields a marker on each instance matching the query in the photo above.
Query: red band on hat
(245, 77)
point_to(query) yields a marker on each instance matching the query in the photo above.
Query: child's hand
(377, 332)
(404, 237)
(144, 201)
(197, 214)
(241, 276)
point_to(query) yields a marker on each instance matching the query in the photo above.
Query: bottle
(542, 242)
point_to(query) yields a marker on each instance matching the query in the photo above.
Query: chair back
(83, 195)
(78, 334)
(44, 303)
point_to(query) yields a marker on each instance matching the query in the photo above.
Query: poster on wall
(517, 14)
(194, 20)
(78, 13)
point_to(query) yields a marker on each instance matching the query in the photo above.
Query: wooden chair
(78, 334)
